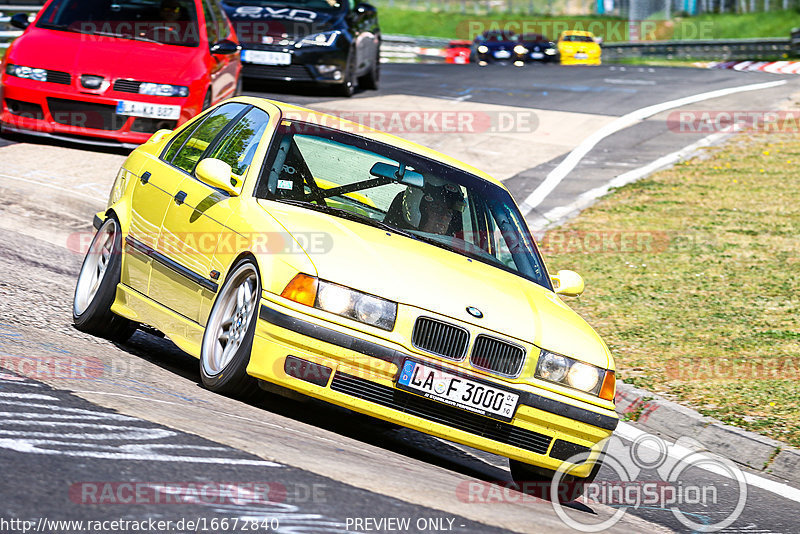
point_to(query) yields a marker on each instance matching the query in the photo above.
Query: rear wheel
(228, 337)
(97, 286)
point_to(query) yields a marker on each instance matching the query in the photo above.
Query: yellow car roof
(317, 117)
(577, 32)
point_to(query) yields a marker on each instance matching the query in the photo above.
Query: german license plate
(537, 55)
(581, 55)
(151, 111)
(464, 393)
(263, 57)
(502, 54)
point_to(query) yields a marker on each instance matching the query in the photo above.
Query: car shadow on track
(7, 139)
(484, 467)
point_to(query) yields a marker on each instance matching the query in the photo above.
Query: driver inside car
(438, 207)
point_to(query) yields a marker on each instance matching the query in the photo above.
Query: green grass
(707, 312)
(455, 25)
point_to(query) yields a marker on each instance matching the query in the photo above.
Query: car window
(238, 146)
(212, 25)
(335, 172)
(171, 22)
(186, 149)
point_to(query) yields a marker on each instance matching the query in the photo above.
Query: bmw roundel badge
(475, 312)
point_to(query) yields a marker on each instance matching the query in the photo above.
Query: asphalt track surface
(142, 417)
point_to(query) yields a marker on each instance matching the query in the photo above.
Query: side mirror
(225, 48)
(567, 283)
(217, 173)
(20, 20)
(398, 174)
(364, 8)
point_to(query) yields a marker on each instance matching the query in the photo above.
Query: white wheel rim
(230, 319)
(95, 266)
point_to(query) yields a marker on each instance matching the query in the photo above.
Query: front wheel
(228, 338)
(97, 287)
(348, 86)
(371, 80)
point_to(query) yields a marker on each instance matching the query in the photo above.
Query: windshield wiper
(130, 37)
(349, 215)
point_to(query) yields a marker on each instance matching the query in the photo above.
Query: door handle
(145, 178)
(180, 196)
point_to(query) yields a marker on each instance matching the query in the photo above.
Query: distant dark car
(496, 46)
(539, 48)
(334, 42)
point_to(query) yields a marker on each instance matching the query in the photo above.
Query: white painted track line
(628, 432)
(585, 199)
(571, 161)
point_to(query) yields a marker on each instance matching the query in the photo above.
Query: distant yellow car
(355, 267)
(578, 48)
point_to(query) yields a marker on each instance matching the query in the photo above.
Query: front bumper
(358, 371)
(62, 112)
(305, 64)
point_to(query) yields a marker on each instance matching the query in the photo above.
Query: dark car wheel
(371, 79)
(97, 287)
(228, 337)
(348, 86)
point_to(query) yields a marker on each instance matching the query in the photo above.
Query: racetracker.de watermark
(443, 121)
(209, 243)
(730, 121)
(607, 30)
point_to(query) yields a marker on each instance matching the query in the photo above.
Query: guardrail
(403, 47)
(718, 49)
(6, 35)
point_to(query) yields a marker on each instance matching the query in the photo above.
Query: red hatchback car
(112, 72)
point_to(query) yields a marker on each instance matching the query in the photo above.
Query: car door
(195, 220)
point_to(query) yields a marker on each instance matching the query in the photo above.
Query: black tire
(348, 86)
(207, 100)
(227, 373)
(96, 287)
(239, 86)
(371, 80)
(536, 481)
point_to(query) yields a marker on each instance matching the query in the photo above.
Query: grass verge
(703, 303)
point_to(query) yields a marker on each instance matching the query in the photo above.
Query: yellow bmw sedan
(577, 47)
(281, 246)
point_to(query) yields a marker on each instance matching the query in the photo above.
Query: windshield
(578, 38)
(170, 22)
(316, 5)
(355, 178)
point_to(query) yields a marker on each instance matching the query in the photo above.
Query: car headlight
(519, 49)
(318, 39)
(550, 51)
(483, 49)
(29, 73)
(577, 375)
(341, 300)
(163, 89)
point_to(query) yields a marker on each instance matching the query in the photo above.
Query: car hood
(425, 276)
(254, 22)
(104, 56)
